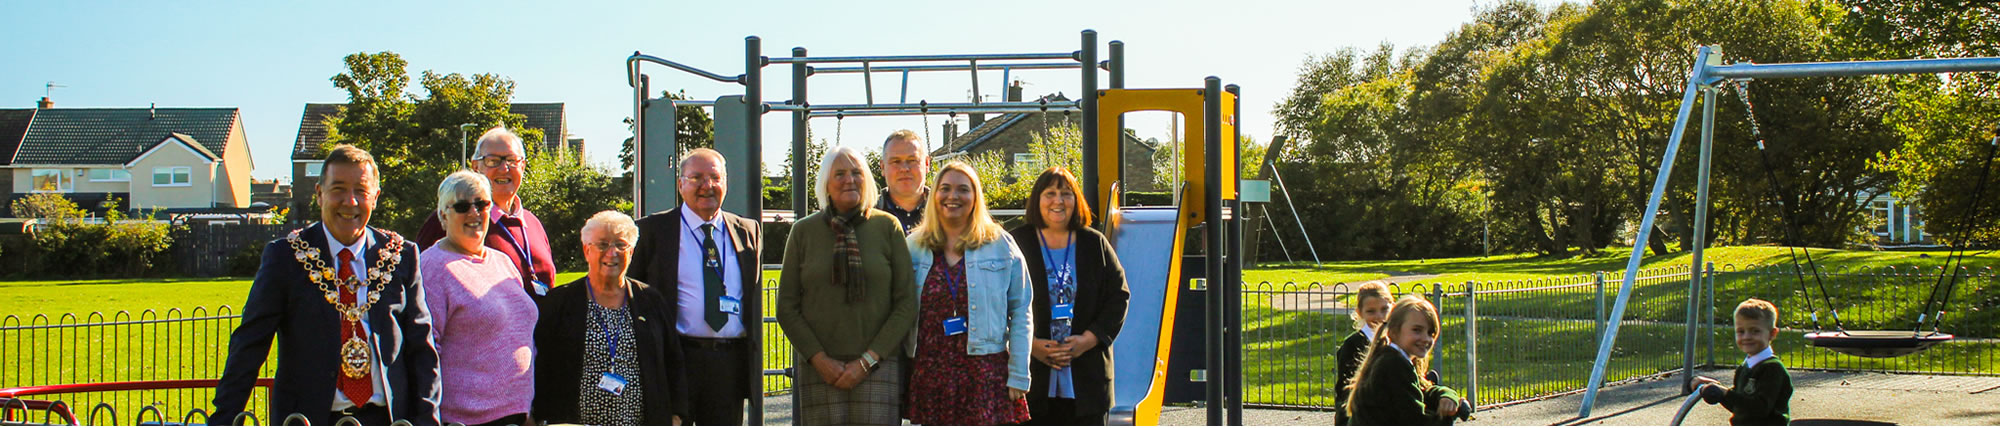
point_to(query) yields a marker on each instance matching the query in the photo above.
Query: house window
(51, 180)
(103, 174)
(1879, 210)
(172, 176)
(313, 169)
(1027, 161)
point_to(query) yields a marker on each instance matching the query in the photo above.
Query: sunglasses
(463, 207)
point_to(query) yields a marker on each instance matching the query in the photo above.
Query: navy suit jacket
(285, 303)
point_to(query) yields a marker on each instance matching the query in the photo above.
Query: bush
(66, 244)
(246, 261)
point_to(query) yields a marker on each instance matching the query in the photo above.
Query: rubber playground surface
(1821, 398)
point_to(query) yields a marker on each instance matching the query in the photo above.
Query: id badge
(1062, 311)
(732, 305)
(541, 288)
(611, 383)
(954, 326)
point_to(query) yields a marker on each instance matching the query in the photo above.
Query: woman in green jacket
(847, 301)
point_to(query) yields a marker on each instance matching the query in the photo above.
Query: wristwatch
(869, 360)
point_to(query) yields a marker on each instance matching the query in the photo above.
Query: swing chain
(1045, 118)
(839, 126)
(1742, 89)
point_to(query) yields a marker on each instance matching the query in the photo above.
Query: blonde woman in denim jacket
(971, 346)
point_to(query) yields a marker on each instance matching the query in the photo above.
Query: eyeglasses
(463, 207)
(608, 246)
(499, 161)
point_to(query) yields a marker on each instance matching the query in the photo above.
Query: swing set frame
(1706, 78)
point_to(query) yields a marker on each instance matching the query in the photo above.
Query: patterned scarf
(847, 252)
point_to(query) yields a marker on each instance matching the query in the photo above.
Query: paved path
(1822, 398)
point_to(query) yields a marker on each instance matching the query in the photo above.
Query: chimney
(950, 130)
(1014, 92)
(152, 111)
(45, 103)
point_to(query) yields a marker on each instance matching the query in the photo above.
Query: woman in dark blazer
(1080, 299)
(576, 348)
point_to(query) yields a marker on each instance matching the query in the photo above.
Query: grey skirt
(876, 401)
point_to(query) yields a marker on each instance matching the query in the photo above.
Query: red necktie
(357, 390)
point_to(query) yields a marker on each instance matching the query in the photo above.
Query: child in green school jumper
(1370, 310)
(1762, 393)
(1390, 388)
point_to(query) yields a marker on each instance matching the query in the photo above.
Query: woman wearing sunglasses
(482, 319)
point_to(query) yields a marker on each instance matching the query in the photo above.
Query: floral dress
(947, 386)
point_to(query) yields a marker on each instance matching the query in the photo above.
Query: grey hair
(704, 152)
(461, 185)
(619, 223)
(868, 192)
(500, 134)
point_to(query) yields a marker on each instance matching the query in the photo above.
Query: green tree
(1946, 124)
(415, 139)
(564, 192)
(693, 129)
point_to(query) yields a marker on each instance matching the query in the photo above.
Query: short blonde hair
(619, 223)
(1759, 310)
(980, 230)
(461, 185)
(868, 192)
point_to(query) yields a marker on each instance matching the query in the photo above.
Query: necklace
(354, 353)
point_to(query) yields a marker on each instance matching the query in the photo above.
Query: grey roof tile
(102, 136)
(13, 126)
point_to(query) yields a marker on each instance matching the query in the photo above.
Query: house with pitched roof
(308, 152)
(1011, 133)
(175, 159)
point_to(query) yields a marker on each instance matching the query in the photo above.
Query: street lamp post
(463, 155)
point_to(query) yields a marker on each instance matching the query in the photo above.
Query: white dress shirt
(693, 293)
(1753, 360)
(360, 267)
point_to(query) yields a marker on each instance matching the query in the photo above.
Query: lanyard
(609, 336)
(527, 256)
(720, 256)
(1068, 261)
(951, 281)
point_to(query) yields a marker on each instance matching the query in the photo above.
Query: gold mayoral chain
(354, 354)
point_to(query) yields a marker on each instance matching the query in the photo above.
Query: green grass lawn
(1531, 343)
(192, 349)
(1528, 266)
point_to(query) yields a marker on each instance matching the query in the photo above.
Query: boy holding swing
(1762, 393)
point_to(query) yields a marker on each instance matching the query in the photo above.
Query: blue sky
(271, 58)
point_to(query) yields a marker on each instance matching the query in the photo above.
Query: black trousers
(716, 370)
(371, 415)
(1059, 412)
